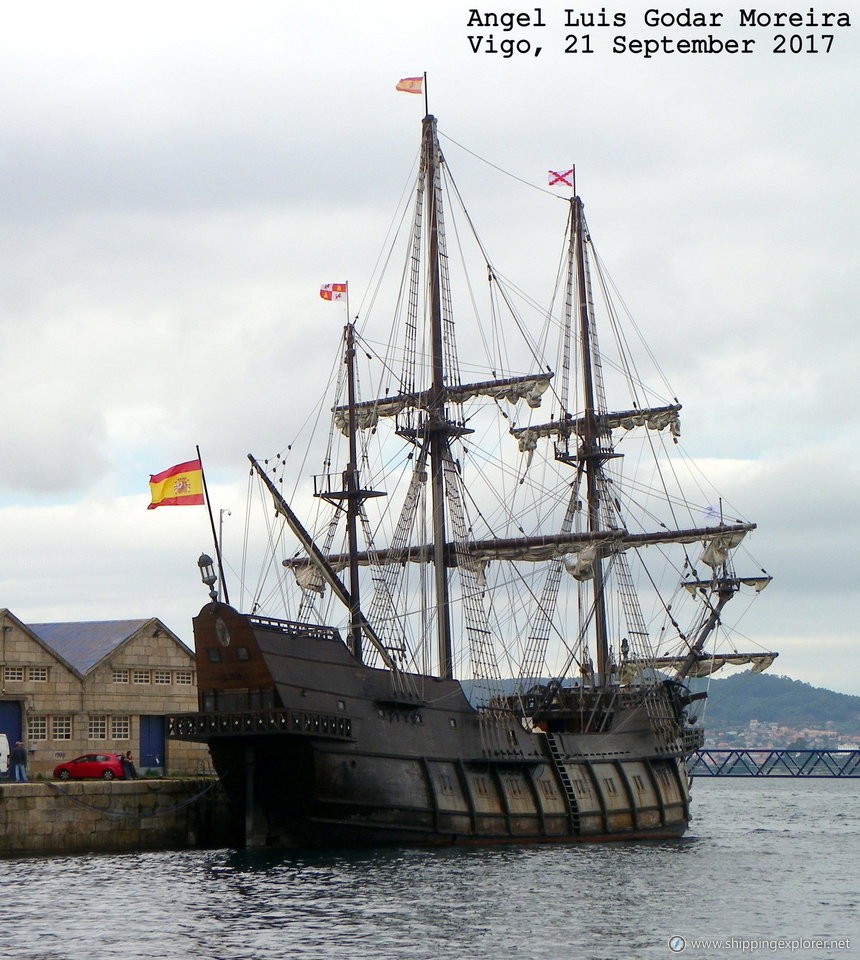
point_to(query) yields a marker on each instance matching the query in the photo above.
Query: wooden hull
(296, 794)
(326, 753)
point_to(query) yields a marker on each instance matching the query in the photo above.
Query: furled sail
(513, 389)
(654, 418)
(538, 549)
(581, 567)
(717, 550)
(704, 666)
(757, 583)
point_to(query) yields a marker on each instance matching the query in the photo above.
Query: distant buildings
(762, 735)
(96, 687)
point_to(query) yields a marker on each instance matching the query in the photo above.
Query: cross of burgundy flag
(563, 179)
(333, 291)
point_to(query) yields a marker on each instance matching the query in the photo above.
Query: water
(765, 859)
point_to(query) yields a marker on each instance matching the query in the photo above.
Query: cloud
(177, 185)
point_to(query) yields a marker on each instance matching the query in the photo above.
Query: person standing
(128, 767)
(18, 763)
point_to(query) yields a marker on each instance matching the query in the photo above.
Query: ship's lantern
(207, 574)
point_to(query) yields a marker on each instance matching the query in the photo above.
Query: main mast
(437, 426)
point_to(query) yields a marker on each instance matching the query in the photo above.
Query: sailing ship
(481, 669)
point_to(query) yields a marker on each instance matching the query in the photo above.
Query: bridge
(775, 763)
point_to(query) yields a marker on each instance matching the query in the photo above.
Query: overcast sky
(178, 179)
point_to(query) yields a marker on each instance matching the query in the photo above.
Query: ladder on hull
(566, 783)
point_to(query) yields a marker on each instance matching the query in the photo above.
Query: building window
(38, 674)
(140, 676)
(98, 728)
(185, 677)
(37, 728)
(161, 676)
(61, 728)
(15, 674)
(120, 676)
(119, 728)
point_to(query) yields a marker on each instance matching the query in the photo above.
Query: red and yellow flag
(179, 486)
(333, 291)
(411, 85)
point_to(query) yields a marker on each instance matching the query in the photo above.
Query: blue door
(10, 720)
(10, 727)
(152, 742)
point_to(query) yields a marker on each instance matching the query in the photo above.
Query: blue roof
(83, 645)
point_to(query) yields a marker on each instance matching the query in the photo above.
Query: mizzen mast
(590, 452)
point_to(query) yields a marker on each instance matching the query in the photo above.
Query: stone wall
(98, 816)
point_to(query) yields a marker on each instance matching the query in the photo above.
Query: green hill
(773, 699)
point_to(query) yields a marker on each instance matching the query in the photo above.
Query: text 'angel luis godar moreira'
(530, 32)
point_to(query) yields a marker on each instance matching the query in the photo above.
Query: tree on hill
(775, 699)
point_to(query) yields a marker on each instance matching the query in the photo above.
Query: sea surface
(765, 861)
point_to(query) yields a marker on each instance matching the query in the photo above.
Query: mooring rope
(126, 813)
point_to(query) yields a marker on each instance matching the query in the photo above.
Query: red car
(91, 766)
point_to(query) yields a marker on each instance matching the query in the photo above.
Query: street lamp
(221, 513)
(207, 574)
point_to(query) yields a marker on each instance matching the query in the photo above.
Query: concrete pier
(46, 817)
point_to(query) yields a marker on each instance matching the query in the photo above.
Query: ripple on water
(752, 866)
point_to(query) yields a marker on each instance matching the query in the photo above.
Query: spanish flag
(179, 486)
(411, 85)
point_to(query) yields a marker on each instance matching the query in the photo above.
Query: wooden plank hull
(298, 794)
(316, 749)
